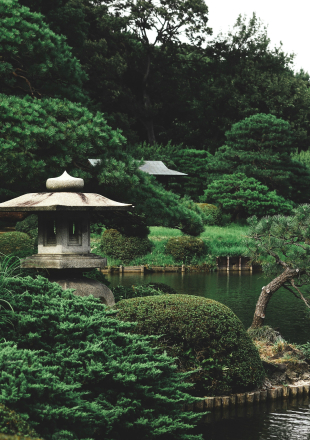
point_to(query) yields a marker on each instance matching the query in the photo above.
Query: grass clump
(205, 336)
(225, 241)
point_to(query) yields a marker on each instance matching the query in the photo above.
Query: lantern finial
(65, 183)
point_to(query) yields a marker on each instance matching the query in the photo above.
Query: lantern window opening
(50, 233)
(75, 233)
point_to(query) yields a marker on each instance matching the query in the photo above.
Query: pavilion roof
(158, 168)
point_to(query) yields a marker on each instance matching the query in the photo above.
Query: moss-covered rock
(203, 335)
(13, 426)
(14, 242)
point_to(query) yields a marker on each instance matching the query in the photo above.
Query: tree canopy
(244, 196)
(34, 60)
(260, 146)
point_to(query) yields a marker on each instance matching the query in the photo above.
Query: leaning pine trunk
(266, 294)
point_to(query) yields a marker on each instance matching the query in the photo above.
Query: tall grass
(225, 241)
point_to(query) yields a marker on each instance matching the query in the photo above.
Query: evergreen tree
(244, 196)
(260, 146)
(281, 245)
(34, 60)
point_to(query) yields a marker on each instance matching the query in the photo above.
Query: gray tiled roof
(158, 168)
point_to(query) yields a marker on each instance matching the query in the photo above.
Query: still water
(285, 420)
(239, 291)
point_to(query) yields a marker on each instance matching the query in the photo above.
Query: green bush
(205, 336)
(11, 423)
(14, 242)
(212, 214)
(76, 372)
(30, 226)
(122, 247)
(184, 249)
(162, 287)
(126, 292)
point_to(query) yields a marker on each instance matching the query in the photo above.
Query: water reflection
(239, 291)
(283, 420)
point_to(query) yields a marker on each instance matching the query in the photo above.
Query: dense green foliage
(260, 147)
(202, 334)
(124, 247)
(151, 289)
(68, 132)
(184, 249)
(29, 226)
(245, 196)
(212, 214)
(12, 242)
(34, 60)
(77, 372)
(162, 287)
(11, 423)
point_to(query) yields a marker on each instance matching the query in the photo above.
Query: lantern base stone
(85, 286)
(63, 261)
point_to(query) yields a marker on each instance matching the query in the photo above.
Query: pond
(281, 420)
(237, 290)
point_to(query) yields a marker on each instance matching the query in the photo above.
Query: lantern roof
(63, 197)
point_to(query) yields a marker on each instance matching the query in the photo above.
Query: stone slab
(63, 261)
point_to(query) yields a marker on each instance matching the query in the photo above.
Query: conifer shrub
(122, 247)
(184, 249)
(74, 371)
(205, 336)
(14, 242)
(212, 214)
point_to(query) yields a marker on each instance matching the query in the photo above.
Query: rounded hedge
(122, 247)
(205, 336)
(184, 249)
(12, 242)
(212, 214)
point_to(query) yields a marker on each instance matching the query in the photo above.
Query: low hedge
(184, 249)
(123, 247)
(205, 336)
(14, 242)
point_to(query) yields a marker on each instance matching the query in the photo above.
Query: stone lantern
(64, 233)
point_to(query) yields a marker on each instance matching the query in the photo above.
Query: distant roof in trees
(158, 168)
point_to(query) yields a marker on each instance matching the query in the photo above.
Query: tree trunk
(266, 294)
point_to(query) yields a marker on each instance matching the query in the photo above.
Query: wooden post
(183, 268)
(240, 263)
(217, 263)
(227, 263)
(142, 269)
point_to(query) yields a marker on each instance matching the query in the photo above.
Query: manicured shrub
(212, 214)
(122, 247)
(78, 373)
(205, 336)
(13, 242)
(11, 423)
(184, 249)
(29, 225)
